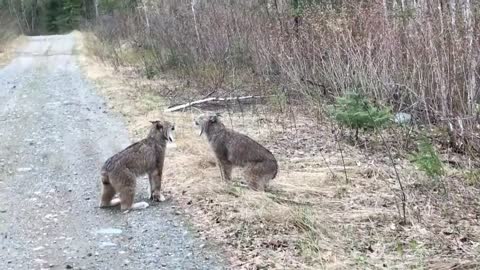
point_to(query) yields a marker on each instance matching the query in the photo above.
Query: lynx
(147, 156)
(234, 149)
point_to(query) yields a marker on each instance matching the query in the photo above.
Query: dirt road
(55, 133)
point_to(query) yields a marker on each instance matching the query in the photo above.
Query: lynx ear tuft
(157, 124)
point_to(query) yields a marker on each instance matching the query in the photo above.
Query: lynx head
(204, 122)
(164, 131)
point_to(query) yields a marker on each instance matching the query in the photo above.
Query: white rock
(38, 248)
(402, 118)
(108, 231)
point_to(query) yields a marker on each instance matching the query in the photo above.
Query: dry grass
(311, 219)
(9, 38)
(8, 48)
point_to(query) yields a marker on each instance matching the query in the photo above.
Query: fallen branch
(193, 103)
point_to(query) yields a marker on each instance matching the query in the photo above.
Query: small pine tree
(356, 112)
(71, 15)
(427, 160)
(63, 15)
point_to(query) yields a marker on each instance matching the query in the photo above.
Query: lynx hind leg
(127, 195)
(257, 183)
(108, 192)
(259, 175)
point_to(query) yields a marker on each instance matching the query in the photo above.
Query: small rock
(68, 266)
(108, 231)
(402, 118)
(107, 244)
(40, 261)
(38, 248)
(27, 169)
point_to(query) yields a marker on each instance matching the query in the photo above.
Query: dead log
(210, 99)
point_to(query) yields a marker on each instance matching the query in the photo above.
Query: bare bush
(8, 30)
(420, 57)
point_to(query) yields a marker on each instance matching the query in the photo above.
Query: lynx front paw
(113, 202)
(157, 197)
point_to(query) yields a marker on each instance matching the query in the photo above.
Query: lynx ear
(157, 124)
(214, 118)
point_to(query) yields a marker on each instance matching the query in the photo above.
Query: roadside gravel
(55, 133)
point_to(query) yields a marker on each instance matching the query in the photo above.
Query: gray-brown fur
(147, 156)
(233, 149)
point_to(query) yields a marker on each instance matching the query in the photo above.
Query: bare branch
(193, 103)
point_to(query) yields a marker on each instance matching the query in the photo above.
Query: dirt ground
(332, 206)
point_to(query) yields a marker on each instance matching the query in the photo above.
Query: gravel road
(55, 134)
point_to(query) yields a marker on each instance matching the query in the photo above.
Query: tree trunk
(95, 3)
(194, 2)
(471, 78)
(147, 21)
(34, 15)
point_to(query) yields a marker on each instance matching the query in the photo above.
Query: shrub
(427, 160)
(356, 112)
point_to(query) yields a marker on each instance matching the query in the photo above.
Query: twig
(341, 155)
(328, 165)
(397, 174)
(183, 106)
(211, 93)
